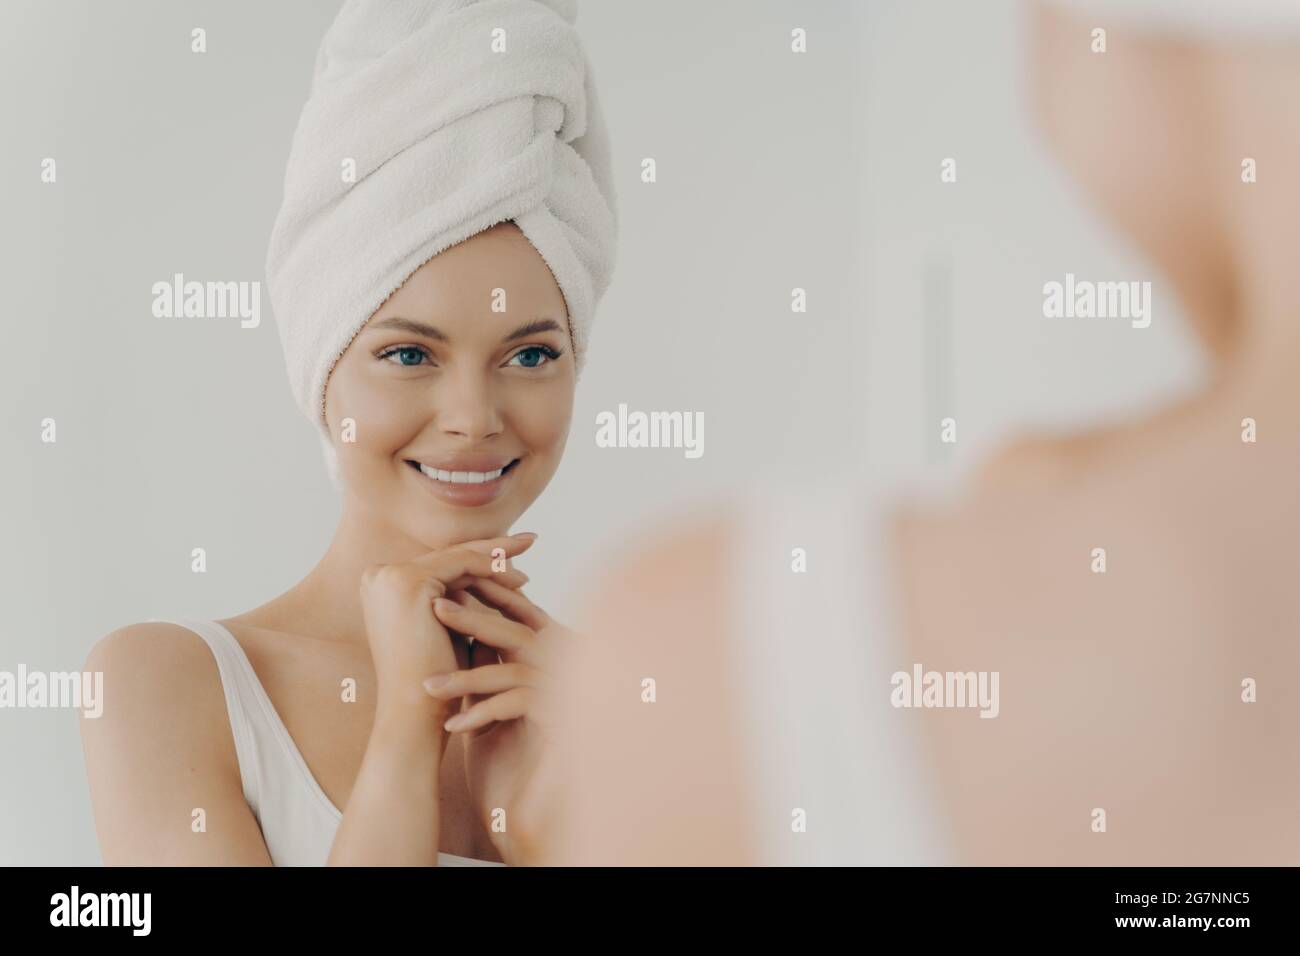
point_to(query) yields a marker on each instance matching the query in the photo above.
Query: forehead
(496, 268)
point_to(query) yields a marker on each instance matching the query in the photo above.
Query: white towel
(458, 114)
(1195, 19)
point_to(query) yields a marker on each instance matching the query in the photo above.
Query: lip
(466, 495)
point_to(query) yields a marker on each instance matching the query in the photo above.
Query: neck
(327, 602)
(1264, 363)
(1255, 111)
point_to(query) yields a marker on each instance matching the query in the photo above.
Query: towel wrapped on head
(458, 115)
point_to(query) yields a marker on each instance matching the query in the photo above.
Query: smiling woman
(438, 378)
(434, 310)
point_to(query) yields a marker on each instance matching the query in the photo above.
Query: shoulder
(157, 678)
(153, 655)
(667, 566)
(655, 626)
(1051, 461)
(1025, 461)
(160, 753)
(659, 598)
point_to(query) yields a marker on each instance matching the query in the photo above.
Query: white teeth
(462, 477)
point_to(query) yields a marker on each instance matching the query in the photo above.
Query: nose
(465, 406)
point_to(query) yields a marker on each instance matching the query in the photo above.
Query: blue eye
(533, 356)
(408, 355)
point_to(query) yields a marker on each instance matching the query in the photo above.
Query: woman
(447, 230)
(1145, 711)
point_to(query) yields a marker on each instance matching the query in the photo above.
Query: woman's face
(466, 370)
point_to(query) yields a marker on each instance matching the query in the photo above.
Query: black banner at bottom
(488, 903)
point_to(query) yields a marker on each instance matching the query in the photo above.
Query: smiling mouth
(462, 477)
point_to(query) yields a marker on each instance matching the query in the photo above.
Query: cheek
(1142, 164)
(384, 421)
(1091, 107)
(540, 420)
(1125, 136)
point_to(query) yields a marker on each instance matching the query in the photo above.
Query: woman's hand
(393, 814)
(505, 713)
(407, 642)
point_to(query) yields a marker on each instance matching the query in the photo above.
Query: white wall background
(954, 272)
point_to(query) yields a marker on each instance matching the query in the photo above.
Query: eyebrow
(429, 331)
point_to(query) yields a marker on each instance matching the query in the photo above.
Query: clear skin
(409, 782)
(1124, 697)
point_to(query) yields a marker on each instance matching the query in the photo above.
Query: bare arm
(392, 816)
(164, 775)
(164, 778)
(161, 761)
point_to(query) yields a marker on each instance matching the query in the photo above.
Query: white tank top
(297, 819)
(839, 774)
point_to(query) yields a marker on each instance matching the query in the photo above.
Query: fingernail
(443, 604)
(437, 680)
(454, 723)
(525, 534)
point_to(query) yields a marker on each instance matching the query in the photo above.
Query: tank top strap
(297, 818)
(840, 777)
(240, 686)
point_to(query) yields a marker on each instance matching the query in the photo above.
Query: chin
(464, 511)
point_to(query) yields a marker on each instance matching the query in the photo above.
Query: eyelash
(550, 353)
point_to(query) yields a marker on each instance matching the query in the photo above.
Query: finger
(488, 679)
(458, 567)
(508, 705)
(512, 603)
(511, 544)
(467, 598)
(493, 629)
(502, 548)
(491, 556)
